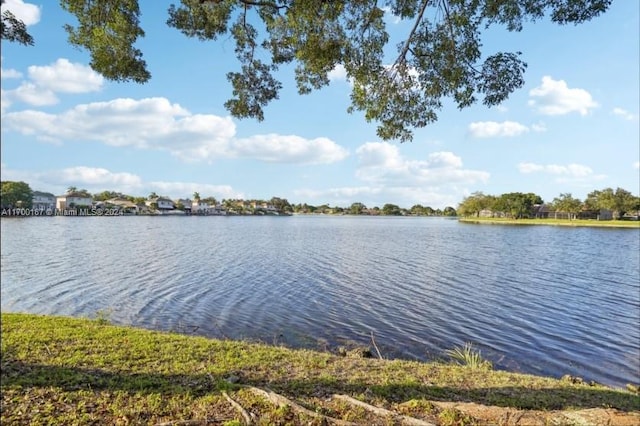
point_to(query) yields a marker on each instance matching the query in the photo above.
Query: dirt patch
(492, 415)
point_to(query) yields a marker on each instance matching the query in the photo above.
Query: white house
(74, 199)
(200, 207)
(218, 210)
(43, 201)
(163, 204)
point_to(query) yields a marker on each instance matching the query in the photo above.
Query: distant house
(600, 214)
(161, 203)
(187, 204)
(204, 208)
(557, 214)
(264, 208)
(490, 213)
(546, 211)
(200, 207)
(219, 210)
(541, 211)
(73, 199)
(143, 208)
(605, 214)
(165, 204)
(123, 204)
(43, 201)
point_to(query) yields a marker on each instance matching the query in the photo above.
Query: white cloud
(381, 162)
(491, 129)
(26, 12)
(91, 178)
(539, 127)
(186, 190)
(97, 179)
(94, 177)
(438, 181)
(554, 97)
(65, 77)
(273, 148)
(5, 101)
(570, 173)
(636, 165)
(444, 159)
(377, 196)
(155, 123)
(575, 170)
(337, 73)
(379, 154)
(388, 13)
(8, 73)
(624, 114)
(146, 123)
(33, 95)
(45, 81)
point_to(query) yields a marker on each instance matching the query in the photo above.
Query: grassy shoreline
(628, 224)
(60, 370)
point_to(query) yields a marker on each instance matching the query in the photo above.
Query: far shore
(630, 224)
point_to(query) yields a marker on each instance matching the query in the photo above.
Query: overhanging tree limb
(439, 59)
(405, 48)
(13, 29)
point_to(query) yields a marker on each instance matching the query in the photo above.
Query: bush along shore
(629, 224)
(60, 370)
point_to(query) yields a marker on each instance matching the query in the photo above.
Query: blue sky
(572, 128)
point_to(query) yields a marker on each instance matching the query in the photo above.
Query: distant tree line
(386, 210)
(514, 204)
(518, 205)
(20, 194)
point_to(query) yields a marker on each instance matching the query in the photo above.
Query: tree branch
(253, 3)
(451, 33)
(264, 4)
(403, 53)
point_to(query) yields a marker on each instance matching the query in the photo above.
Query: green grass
(469, 357)
(59, 370)
(633, 224)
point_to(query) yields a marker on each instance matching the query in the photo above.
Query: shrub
(469, 357)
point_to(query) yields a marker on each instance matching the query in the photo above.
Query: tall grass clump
(468, 356)
(103, 316)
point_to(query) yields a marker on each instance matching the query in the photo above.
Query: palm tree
(196, 196)
(71, 189)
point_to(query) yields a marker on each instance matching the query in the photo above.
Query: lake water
(533, 299)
